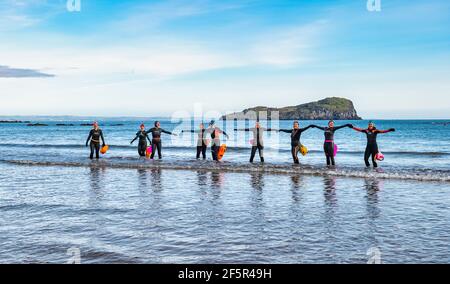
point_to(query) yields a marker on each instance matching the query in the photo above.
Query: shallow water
(418, 150)
(122, 209)
(166, 216)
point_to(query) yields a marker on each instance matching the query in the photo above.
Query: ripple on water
(135, 215)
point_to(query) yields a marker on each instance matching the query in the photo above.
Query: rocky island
(13, 121)
(329, 108)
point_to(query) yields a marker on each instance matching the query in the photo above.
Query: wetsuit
(328, 146)
(215, 140)
(142, 146)
(372, 145)
(156, 140)
(295, 141)
(94, 139)
(258, 142)
(201, 142)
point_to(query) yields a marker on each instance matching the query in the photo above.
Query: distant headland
(329, 108)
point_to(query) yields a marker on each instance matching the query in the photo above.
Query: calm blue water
(418, 150)
(126, 209)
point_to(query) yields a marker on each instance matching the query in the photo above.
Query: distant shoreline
(28, 118)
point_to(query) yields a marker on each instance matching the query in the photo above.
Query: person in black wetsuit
(328, 146)
(372, 146)
(257, 142)
(296, 133)
(215, 132)
(143, 137)
(156, 138)
(94, 141)
(202, 141)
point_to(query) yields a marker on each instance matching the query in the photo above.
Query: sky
(155, 58)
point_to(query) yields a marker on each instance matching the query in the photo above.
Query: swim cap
(142, 125)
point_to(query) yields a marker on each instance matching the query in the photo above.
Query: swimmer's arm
(386, 131)
(224, 133)
(89, 137)
(307, 127)
(285, 130)
(318, 127)
(167, 132)
(103, 138)
(358, 129)
(342, 126)
(137, 135)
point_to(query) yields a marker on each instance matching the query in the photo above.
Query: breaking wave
(192, 165)
(230, 148)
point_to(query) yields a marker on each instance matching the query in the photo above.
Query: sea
(58, 206)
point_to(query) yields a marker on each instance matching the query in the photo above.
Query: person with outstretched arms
(296, 133)
(257, 141)
(156, 139)
(202, 141)
(372, 145)
(328, 146)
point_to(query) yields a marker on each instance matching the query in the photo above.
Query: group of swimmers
(257, 142)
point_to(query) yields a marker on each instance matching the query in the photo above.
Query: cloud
(22, 14)
(149, 16)
(167, 57)
(289, 46)
(149, 60)
(156, 54)
(7, 72)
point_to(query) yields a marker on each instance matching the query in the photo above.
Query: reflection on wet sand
(217, 179)
(98, 221)
(372, 186)
(142, 175)
(202, 182)
(97, 184)
(94, 174)
(257, 180)
(156, 180)
(330, 217)
(296, 184)
(210, 183)
(202, 179)
(330, 191)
